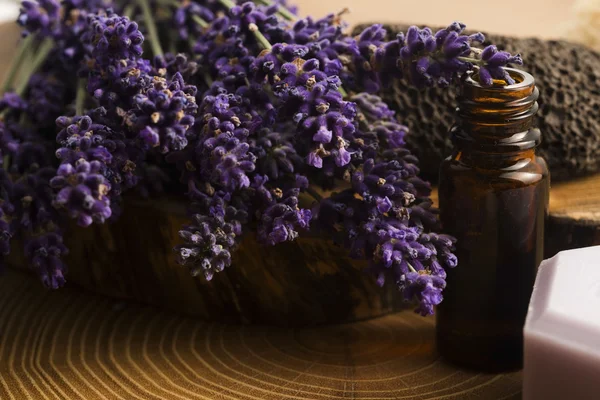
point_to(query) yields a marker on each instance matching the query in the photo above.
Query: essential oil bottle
(493, 194)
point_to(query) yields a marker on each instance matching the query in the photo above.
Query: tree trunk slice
(83, 346)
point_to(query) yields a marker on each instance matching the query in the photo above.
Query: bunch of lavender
(385, 216)
(259, 110)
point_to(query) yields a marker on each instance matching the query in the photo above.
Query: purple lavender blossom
(280, 217)
(82, 139)
(45, 252)
(46, 98)
(495, 61)
(113, 37)
(82, 192)
(187, 15)
(425, 288)
(39, 16)
(222, 154)
(13, 102)
(164, 113)
(211, 238)
(8, 142)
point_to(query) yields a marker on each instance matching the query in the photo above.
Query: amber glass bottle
(494, 199)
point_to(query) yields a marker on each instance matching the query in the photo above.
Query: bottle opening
(501, 83)
(522, 80)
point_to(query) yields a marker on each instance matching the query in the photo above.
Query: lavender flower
(425, 288)
(222, 154)
(495, 61)
(13, 102)
(82, 192)
(281, 220)
(45, 252)
(46, 98)
(211, 238)
(164, 113)
(8, 143)
(113, 37)
(82, 139)
(39, 15)
(187, 16)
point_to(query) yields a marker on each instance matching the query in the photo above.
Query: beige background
(541, 18)
(517, 17)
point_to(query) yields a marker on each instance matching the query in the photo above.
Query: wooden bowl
(307, 282)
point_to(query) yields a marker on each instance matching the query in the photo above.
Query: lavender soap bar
(562, 330)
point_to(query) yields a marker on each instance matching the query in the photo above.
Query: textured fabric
(67, 344)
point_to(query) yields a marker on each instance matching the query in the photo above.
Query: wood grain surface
(67, 344)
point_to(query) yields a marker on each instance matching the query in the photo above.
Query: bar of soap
(562, 329)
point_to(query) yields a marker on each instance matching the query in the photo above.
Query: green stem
(200, 21)
(16, 63)
(284, 12)
(80, 97)
(40, 56)
(343, 92)
(228, 3)
(208, 79)
(128, 10)
(262, 40)
(151, 27)
(472, 60)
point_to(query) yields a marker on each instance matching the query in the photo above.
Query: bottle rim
(522, 80)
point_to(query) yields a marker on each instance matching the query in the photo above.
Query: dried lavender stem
(284, 12)
(40, 56)
(200, 21)
(16, 63)
(343, 92)
(262, 40)
(80, 97)
(471, 60)
(208, 79)
(227, 3)
(128, 10)
(151, 26)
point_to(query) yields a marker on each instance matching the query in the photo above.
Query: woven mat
(69, 344)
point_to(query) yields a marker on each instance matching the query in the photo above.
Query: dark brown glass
(494, 199)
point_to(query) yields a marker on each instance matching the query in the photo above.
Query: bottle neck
(495, 161)
(496, 121)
